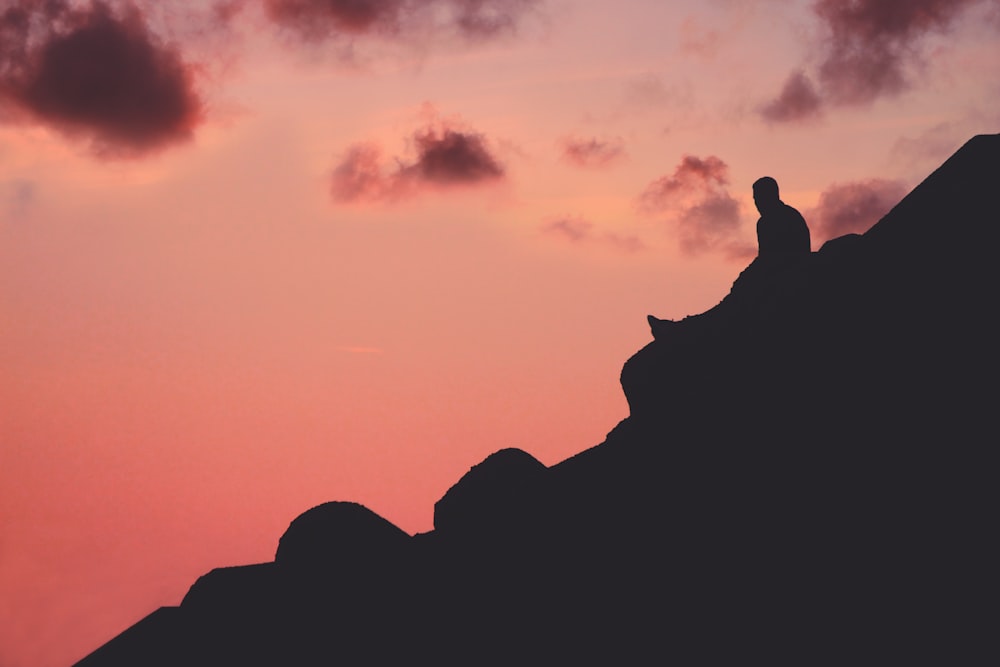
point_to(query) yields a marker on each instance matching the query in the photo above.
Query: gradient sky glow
(276, 253)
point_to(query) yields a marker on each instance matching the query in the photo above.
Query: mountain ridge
(811, 482)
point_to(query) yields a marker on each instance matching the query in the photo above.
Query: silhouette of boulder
(495, 496)
(338, 534)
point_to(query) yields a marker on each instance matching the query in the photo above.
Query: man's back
(782, 232)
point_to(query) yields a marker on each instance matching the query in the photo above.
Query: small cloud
(847, 208)
(359, 175)
(797, 101)
(578, 231)
(571, 229)
(625, 243)
(708, 223)
(699, 41)
(694, 176)
(17, 198)
(697, 202)
(648, 91)
(594, 153)
(446, 157)
(90, 72)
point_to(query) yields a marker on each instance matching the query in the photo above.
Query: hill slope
(812, 481)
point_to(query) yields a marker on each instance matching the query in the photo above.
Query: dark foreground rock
(813, 483)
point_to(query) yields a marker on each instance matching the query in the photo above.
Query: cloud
(649, 92)
(853, 207)
(871, 42)
(693, 177)
(317, 20)
(709, 223)
(487, 18)
(698, 40)
(446, 157)
(696, 200)
(570, 229)
(934, 144)
(359, 175)
(592, 152)
(579, 231)
(450, 157)
(869, 49)
(88, 71)
(797, 101)
(17, 197)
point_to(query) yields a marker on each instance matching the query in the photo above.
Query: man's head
(765, 194)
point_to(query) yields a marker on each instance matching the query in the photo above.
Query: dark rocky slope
(814, 482)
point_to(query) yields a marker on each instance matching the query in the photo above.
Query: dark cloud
(853, 207)
(870, 43)
(486, 18)
(797, 101)
(869, 49)
(695, 198)
(445, 157)
(579, 231)
(322, 19)
(592, 152)
(89, 71)
(319, 18)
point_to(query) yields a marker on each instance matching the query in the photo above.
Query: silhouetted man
(782, 233)
(782, 241)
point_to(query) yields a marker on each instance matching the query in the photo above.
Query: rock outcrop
(812, 483)
(338, 535)
(494, 498)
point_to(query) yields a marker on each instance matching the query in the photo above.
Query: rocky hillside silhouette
(813, 483)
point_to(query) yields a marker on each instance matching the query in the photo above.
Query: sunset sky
(258, 255)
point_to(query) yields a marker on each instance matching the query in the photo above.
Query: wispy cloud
(797, 101)
(592, 152)
(319, 20)
(696, 202)
(579, 231)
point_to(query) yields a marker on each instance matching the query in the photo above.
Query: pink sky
(291, 254)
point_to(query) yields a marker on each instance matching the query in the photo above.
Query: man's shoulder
(787, 208)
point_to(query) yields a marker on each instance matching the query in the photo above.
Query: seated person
(782, 240)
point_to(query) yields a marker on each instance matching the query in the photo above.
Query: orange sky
(360, 252)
